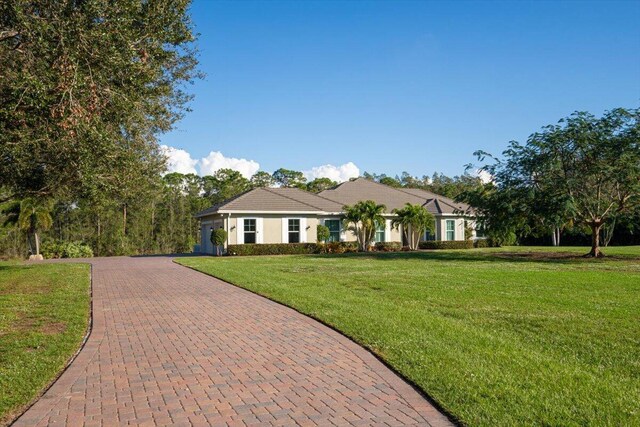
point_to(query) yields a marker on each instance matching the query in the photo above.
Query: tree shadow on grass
(481, 256)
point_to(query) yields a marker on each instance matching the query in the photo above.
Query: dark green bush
(322, 233)
(341, 247)
(481, 243)
(497, 239)
(57, 249)
(219, 237)
(388, 246)
(446, 244)
(274, 249)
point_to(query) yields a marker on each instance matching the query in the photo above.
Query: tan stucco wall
(272, 228)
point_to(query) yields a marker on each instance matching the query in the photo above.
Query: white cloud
(336, 173)
(179, 160)
(216, 160)
(484, 176)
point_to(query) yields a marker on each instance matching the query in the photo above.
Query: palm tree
(30, 215)
(363, 218)
(415, 220)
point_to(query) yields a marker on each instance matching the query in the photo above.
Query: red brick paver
(171, 346)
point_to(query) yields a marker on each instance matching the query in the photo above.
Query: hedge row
(306, 248)
(273, 249)
(446, 244)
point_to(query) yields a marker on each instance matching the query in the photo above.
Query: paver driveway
(170, 345)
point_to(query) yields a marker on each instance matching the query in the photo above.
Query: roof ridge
(291, 198)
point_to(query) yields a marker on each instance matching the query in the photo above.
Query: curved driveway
(170, 345)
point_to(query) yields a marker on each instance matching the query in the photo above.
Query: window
(428, 236)
(451, 229)
(249, 230)
(294, 231)
(379, 233)
(334, 229)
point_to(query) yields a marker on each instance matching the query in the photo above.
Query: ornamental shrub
(481, 243)
(341, 247)
(218, 238)
(388, 246)
(446, 244)
(322, 233)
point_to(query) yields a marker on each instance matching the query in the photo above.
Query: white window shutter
(303, 230)
(285, 230)
(387, 230)
(259, 233)
(240, 231)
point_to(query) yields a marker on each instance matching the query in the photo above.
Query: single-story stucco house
(291, 215)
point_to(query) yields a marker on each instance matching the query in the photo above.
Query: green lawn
(515, 336)
(44, 313)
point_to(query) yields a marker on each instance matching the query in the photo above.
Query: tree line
(158, 217)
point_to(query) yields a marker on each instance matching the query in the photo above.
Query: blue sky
(395, 86)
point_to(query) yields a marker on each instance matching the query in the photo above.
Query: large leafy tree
(224, 184)
(289, 178)
(362, 219)
(85, 88)
(414, 220)
(262, 179)
(584, 170)
(320, 184)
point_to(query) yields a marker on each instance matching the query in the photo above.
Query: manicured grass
(516, 336)
(44, 313)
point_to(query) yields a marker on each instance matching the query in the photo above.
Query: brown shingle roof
(275, 200)
(359, 189)
(332, 200)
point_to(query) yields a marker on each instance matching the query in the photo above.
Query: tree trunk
(595, 239)
(608, 232)
(554, 242)
(558, 236)
(37, 240)
(124, 219)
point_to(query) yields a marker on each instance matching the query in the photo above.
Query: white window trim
(285, 230)
(259, 227)
(387, 230)
(240, 231)
(446, 229)
(303, 229)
